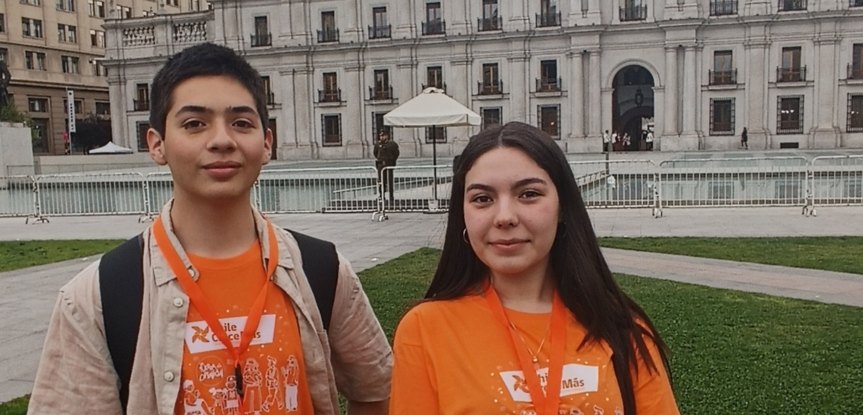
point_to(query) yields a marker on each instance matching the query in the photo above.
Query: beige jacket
(76, 375)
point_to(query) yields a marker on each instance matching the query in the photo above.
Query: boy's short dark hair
(206, 59)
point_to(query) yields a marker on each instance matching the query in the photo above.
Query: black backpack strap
(121, 285)
(321, 265)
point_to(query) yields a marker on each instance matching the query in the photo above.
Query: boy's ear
(157, 147)
(268, 146)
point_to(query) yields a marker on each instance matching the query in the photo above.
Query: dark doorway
(632, 108)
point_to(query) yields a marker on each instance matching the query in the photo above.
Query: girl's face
(511, 213)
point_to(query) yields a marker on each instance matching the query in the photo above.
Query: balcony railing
(489, 88)
(855, 3)
(261, 39)
(791, 5)
(547, 19)
(434, 85)
(855, 71)
(723, 7)
(328, 35)
(271, 99)
(434, 27)
(548, 84)
(380, 32)
(790, 74)
(486, 24)
(141, 104)
(378, 94)
(722, 77)
(633, 13)
(330, 95)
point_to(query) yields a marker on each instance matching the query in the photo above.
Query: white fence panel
(17, 196)
(836, 181)
(616, 183)
(777, 181)
(90, 194)
(342, 189)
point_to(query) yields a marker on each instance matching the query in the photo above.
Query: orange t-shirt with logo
(455, 357)
(273, 367)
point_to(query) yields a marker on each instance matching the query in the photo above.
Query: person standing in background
(386, 153)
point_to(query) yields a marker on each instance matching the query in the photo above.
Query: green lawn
(14, 407)
(840, 254)
(22, 254)
(732, 352)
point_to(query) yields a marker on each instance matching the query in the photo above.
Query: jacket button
(169, 376)
(178, 302)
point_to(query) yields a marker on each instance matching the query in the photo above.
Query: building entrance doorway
(632, 109)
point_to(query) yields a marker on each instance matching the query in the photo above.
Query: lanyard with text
(549, 402)
(199, 300)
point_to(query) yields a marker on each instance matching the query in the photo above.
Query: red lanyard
(199, 300)
(549, 402)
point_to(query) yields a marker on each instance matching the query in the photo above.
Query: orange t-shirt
(273, 367)
(455, 357)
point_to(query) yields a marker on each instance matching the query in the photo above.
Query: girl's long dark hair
(582, 277)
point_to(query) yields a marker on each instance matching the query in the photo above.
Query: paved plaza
(28, 295)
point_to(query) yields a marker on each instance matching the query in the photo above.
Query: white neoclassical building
(695, 72)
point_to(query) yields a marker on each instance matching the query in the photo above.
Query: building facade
(694, 72)
(54, 46)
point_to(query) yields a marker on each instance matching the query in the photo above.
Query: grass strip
(840, 254)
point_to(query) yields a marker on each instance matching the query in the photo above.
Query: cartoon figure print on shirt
(291, 372)
(252, 385)
(193, 404)
(274, 393)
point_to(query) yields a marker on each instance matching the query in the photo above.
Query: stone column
(753, 8)
(595, 105)
(576, 95)
(402, 20)
(755, 118)
(350, 23)
(514, 18)
(680, 9)
(120, 119)
(594, 15)
(353, 94)
(826, 131)
(670, 113)
(516, 86)
(690, 89)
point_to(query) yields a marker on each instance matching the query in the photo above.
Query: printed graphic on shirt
(575, 379)
(193, 404)
(252, 382)
(291, 373)
(274, 392)
(201, 338)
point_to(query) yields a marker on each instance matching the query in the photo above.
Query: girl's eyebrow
(520, 183)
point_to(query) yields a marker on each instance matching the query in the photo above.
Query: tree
(11, 114)
(91, 132)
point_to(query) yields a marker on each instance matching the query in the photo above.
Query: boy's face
(214, 142)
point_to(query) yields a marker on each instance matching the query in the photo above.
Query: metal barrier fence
(757, 181)
(345, 189)
(834, 181)
(618, 183)
(415, 189)
(765, 181)
(17, 196)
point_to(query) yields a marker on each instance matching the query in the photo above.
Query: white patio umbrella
(431, 108)
(111, 148)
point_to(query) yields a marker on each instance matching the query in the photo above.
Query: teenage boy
(228, 316)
